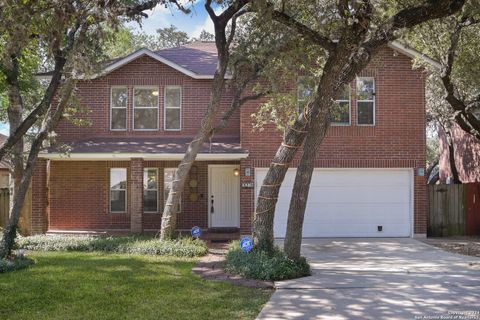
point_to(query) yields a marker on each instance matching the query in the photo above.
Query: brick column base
(39, 197)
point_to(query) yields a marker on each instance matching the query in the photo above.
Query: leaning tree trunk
(169, 216)
(451, 157)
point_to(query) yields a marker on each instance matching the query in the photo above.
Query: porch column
(39, 198)
(136, 195)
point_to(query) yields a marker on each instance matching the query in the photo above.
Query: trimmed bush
(264, 266)
(183, 247)
(15, 264)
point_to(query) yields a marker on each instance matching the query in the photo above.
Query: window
(304, 92)
(118, 190)
(145, 108)
(150, 190)
(365, 101)
(340, 113)
(169, 175)
(173, 107)
(118, 108)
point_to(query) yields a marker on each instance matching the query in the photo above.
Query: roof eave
(109, 156)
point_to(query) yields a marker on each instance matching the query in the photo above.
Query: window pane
(145, 97)
(150, 179)
(117, 201)
(172, 97)
(365, 112)
(150, 203)
(365, 89)
(172, 119)
(119, 119)
(345, 93)
(340, 112)
(119, 97)
(118, 178)
(145, 119)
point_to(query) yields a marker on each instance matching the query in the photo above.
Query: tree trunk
(451, 157)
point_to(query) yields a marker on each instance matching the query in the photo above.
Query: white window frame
(110, 191)
(164, 182)
(136, 108)
(111, 108)
(156, 174)
(344, 124)
(374, 98)
(165, 107)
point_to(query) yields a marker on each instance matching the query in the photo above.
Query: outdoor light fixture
(236, 172)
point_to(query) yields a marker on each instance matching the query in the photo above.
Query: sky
(161, 17)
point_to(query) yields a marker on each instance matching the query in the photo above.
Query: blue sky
(160, 17)
(192, 23)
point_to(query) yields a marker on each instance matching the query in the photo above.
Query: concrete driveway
(379, 279)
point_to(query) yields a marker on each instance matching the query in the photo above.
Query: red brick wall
(39, 197)
(94, 97)
(79, 196)
(396, 141)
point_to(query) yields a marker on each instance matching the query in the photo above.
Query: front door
(224, 196)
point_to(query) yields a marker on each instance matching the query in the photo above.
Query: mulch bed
(210, 267)
(461, 245)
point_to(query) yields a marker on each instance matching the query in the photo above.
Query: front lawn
(74, 285)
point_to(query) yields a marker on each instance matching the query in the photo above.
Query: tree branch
(303, 30)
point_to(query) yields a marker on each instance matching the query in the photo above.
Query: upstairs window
(365, 101)
(304, 92)
(173, 108)
(145, 108)
(118, 190)
(340, 113)
(169, 175)
(150, 190)
(118, 108)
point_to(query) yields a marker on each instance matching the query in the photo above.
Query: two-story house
(146, 107)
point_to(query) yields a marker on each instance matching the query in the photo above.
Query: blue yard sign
(246, 244)
(196, 232)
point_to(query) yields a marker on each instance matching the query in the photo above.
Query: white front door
(223, 196)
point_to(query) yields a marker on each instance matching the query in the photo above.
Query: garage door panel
(350, 203)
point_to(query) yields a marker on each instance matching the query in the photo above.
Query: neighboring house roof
(4, 164)
(199, 59)
(167, 148)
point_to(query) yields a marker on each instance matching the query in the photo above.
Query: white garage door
(349, 203)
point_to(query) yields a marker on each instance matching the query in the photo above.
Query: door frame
(210, 167)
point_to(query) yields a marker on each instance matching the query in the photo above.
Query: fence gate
(4, 206)
(454, 210)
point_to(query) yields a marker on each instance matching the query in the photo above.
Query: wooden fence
(454, 210)
(4, 206)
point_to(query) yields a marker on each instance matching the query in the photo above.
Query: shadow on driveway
(379, 279)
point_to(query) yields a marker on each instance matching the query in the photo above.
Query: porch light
(236, 172)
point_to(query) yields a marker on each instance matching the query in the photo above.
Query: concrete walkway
(379, 279)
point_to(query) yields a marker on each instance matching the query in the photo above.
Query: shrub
(183, 247)
(260, 265)
(15, 264)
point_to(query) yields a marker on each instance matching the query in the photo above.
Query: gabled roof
(199, 59)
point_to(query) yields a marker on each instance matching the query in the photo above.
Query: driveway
(379, 279)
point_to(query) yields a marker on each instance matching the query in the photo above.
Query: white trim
(106, 156)
(344, 124)
(412, 53)
(210, 166)
(156, 173)
(374, 101)
(110, 191)
(111, 109)
(157, 107)
(165, 107)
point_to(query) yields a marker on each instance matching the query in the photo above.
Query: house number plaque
(247, 184)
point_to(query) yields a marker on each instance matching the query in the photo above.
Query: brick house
(145, 108)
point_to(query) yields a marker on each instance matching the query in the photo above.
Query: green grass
(78, 285)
